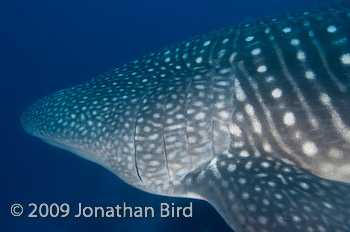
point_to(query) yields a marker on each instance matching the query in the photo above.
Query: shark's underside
(255, 119)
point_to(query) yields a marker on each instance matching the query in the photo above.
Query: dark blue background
(50, 45)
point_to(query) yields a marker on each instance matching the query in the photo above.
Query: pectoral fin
(265, 194)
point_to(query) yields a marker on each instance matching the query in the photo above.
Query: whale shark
(254, 119)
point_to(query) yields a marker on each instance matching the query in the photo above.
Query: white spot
(239, 117)
(295, 42)
(232, 57)
(167, 59)
(301, 55)
(256, 51)
(296, 218)
(271, 184)
(278, 196)
(199, 60)
(265, 164)
(199, 116)
(245, 195)
(263, 175)
(190, 111)
(304, 185)
(229, 155)
(269, 79)
(229, 194)
(328, 205)
(153, 137)
(179, 116)
(345, 59)
(266, 202)
(297, 135)
(289, 119)
(206, 43)
(257, 126)
(225, 70)
(239, 144)
(224, 114)
(200, 86)
(192, 139)
(263, 220)
(242, 180)
(325, 99)
(249, 109)
(147, 129)
(267, 147)
(239, 91)
(257, 189)
(252, 208)
(249, 38)
(222, 83)
(225, 41)
(287, 30)
(171, 139)
(244, 153)
(248, 165)
(219, 105)
(309, 148)
(310, 75)
(214, 168)
(154, 163)
(262, 68)
(231, 167)
(332, 29)
(276, 93)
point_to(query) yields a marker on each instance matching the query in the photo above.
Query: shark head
(87, 121)
(32, 120)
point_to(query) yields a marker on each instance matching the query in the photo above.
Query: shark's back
(280, 85)
(292, 82)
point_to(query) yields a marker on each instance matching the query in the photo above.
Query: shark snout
(31, 119)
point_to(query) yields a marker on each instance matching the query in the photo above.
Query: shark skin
(254, 119)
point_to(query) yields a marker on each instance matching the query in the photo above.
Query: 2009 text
(80, 210)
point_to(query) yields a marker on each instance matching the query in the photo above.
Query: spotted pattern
(288, 114)
(232, 116)
(264, 194)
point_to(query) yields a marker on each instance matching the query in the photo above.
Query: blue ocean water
(50, 45)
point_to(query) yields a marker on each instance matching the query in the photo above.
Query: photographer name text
(80, 210)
